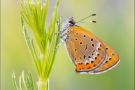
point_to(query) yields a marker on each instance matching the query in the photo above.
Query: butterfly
(88, 53)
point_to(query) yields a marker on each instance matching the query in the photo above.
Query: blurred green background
(115, 26)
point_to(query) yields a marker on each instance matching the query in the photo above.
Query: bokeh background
(115, 26)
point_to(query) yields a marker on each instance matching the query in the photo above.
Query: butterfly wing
(112, 60)
(88, 53)
(84, 49)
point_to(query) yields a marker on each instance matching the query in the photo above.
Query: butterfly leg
(57, 33)
(58, 46)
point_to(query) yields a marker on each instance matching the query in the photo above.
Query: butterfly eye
(71, 23)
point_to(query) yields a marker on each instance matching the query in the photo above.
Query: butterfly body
(88, 53)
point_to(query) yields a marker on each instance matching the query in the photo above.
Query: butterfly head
(71, 21)
(65, 27)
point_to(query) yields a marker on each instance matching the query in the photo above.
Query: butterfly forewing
(85, 50)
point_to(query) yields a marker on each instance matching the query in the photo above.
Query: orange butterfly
(88, 53)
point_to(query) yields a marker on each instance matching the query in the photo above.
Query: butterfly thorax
(65, 28)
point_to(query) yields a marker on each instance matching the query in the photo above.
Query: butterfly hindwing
(112, 60)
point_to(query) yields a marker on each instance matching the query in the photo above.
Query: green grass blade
(32, 49)
(14, 82)
(31, 83)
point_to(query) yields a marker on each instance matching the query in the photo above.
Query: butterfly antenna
(89, 21)
(88, 17)
(62, 16)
